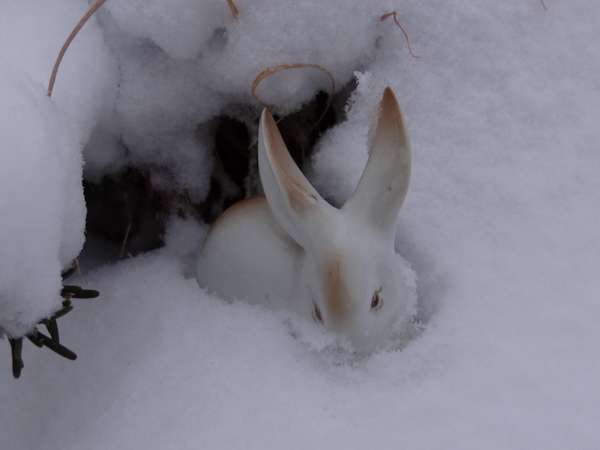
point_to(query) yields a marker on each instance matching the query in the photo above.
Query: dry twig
(271, 70)
(395, 15)
(128, 230)
(234, 9)
(65, 46)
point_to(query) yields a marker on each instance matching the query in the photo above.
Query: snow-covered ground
(500, 225)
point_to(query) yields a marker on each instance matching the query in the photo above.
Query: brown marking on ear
(390, 116)
(335, 288)
(300, 194)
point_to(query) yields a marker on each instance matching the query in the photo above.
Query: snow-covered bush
(41, 140)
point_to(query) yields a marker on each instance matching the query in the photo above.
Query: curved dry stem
(128, 230)
(78, 269)
(65, 46)
(385, 16)
(234, 9)
(271, 70)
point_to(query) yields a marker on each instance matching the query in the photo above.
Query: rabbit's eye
(376, 301)
(317, 314)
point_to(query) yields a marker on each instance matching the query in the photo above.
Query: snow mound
(41, 200)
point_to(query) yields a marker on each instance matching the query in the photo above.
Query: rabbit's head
(348, 268)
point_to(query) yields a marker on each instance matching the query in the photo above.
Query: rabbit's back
(247, 255)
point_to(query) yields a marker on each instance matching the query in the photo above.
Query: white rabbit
(293, 250)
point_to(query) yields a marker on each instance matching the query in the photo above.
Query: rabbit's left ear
(384, 182)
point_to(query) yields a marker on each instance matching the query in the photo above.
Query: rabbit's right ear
(296, 205)
(384, 182)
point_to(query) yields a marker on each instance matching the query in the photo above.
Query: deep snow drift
(500, 225)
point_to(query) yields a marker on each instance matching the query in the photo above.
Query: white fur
(291, 249)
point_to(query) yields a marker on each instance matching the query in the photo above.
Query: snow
(500, 225)
(31, 173)
(43, 211)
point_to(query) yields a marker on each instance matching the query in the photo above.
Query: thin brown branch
(271, 70)
(128, 230)
(234, 10)
(543, 4)
(78, 269)
(65, 46)
(395, 15)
